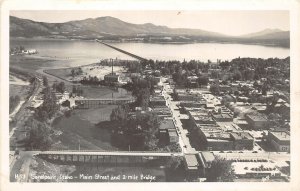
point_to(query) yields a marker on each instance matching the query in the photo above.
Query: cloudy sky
(226, 22)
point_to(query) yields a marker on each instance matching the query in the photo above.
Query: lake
(76, 53)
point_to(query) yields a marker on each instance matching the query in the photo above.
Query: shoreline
(171, 42)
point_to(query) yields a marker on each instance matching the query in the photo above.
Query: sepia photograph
(110, 96)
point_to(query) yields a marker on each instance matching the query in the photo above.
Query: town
(212, 121)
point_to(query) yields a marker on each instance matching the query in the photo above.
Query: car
(254, 152)
(241, 152)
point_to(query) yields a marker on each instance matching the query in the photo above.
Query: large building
(157, 100)
(112, 77)
(223, 117)
(257, 121)
(167, 132)
(242, 141)
(280, 140)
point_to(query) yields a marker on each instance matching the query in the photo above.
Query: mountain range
(110, 28)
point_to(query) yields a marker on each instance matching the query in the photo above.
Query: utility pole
(79, 144)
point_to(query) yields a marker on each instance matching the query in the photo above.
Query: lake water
(75, 53)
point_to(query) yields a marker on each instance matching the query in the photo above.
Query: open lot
(88, 70)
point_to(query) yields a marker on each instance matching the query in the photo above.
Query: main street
(183, 139)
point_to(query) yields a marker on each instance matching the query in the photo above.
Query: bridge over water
(95, 103)
(123, 51)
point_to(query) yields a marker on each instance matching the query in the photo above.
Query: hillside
(110, 28)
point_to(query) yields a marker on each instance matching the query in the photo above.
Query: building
(195, 104)
(157, 101)
(167, 132)
(224, 88)
(222, 117)
(173, 136)
(205, 160)
(242, 141)
(185, 96)
(112, 78)
(191, 165)
(162, 111)
(242, 123)
(280, 140)
(257, 121)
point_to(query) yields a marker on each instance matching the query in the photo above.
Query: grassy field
(101, 92)
(28, 64)
(21, 91)
(64, 73)
(87, 70)
(80, 129)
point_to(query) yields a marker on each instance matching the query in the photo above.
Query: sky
(225, 22)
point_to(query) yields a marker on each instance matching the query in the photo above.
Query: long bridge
(95, 103)
(123, 51)
(106, 157)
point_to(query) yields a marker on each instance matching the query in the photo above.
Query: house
(280, 140)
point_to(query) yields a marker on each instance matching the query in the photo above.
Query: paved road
(183, 139)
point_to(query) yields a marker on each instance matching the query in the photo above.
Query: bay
(75, 52)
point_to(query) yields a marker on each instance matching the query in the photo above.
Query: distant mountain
(262, 33)
(110, 28)
(102, 26)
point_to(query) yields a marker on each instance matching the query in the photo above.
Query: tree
(120, 113)
(39, 135)
(203, 81)
(220, 171)
(214, 89)
(61, 87)
(49, 106)
(73, 72)
(237, 75)
(45, 81)
(139, 133)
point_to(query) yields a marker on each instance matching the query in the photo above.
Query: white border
(292, 6)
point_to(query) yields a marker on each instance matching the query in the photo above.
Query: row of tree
(134, 133)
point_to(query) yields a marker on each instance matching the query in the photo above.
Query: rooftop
(241, 135)
(208, 156)
(223, 116)
(172, 133)
(167, 124)
(191, 161)
(257, 117)
(281, 135)
(217, 135)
